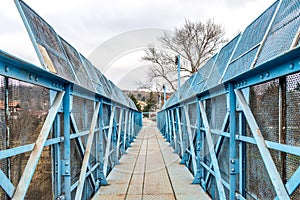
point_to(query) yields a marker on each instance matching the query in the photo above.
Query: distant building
(13, 106)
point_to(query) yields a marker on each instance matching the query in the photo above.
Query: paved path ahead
(150, 170)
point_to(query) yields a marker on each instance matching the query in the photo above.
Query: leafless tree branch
(195, 41)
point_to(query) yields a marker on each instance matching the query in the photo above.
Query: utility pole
(177, 62)
(165, 93)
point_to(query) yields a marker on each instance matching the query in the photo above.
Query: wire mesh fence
(249, 91)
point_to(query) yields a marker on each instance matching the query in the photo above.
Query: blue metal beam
(6, 184)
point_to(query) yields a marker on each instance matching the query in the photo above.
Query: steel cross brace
(262, 147)
(212, 153)
(6, 184)
(179, 131)
(217, 147)
(81, 147)
(294, 182)
(190, 135)
(87, 153)
(107, 150)
(37, 151)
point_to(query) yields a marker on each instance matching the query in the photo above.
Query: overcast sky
(92, 23)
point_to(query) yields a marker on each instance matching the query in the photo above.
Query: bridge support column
(232, 152)
(65, 163)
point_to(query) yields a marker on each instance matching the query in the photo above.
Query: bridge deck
(150, 170)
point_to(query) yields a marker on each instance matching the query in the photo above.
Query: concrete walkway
(150, 170)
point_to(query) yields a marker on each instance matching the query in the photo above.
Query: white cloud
(87, 24)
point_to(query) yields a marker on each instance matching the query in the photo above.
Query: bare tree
(196, 42)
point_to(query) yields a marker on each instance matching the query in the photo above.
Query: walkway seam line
(165, 165)
(127, 189)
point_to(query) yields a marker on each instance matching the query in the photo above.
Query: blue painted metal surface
(255, 139)
(57, 158)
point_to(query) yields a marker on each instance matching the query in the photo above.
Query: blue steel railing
(63, 126)
(235, 123)
(112, 126)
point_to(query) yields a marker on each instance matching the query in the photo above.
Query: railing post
(232, 152)
(125, 131)
(100, 176)
(242, 155)
(56, 164)
(199, 143)
(115, 140)
(67, 143)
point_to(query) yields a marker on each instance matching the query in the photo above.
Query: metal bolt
(232, 161)
(267, 74)
(245, 82)
(6, 68)
(67, 171)
(36, 79)
(292, 66)
(261, 76)
(30, 77)
(232, 170)
(56, 163)
(66, 163)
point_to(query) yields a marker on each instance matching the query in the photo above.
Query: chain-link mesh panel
(78, 67)
(245, 52)
(292, 162)
(191, 86)
(48, 39)
(283, 31)
(61, 58)
(28, 106)
(44, 34)
(62, 67)
(106, 114)
(92, 71)
(76, 160)
(41, 183)
(203, 73)
(258, 182)
(255, 32)
(221, 63)
(240, 65)
(78, 112)
(264, 101)
(4, 163)
(219, 111)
